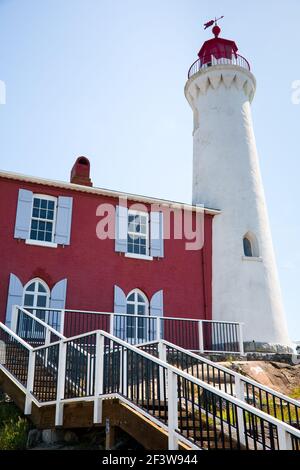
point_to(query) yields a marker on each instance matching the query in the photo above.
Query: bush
(13, 435)
(13, 428)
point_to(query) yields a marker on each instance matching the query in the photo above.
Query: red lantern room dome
(217, 51)
(218, 47)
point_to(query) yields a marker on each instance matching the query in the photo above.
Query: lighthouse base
(260, 347)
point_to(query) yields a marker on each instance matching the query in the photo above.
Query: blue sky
(105, 79)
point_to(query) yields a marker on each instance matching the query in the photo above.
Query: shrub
(13, 435)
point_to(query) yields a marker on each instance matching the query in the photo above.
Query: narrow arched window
(137, 305)
(250, 244)
(36, 294)
(247, 247)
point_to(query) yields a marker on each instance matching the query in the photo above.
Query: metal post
(200, 333)
(99, 369)
(162, 355)
(241, 341)
(111, 325)
(284, 439)
(240, 394)
(60, 391)
(172, 410)
(158, 333)
(62, 321)
(30, 383)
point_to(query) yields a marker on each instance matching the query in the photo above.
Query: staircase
(195, 402)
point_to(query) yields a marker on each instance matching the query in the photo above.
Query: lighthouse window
(250, 245)
(138, 233)
(247, 247)
(43, 218)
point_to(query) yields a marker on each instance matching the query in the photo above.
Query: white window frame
(147, 235)
(30, 241)
(35, 293)
(137, 292)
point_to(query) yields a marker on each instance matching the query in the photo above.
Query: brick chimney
(80, 173)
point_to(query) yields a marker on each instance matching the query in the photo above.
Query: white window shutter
(15, 296)
(157, 310)
(120, 306)
(57, 301)
(63, 220)
(121, 229)
(24, 213)
(156, 231)
(157, 304)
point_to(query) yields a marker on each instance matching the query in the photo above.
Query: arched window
(250, 245)
(36, 294)
(137, 327)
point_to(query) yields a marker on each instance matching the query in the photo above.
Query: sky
(105, 79)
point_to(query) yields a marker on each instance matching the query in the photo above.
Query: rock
(52, 436)
(34, 438)
(70, 437)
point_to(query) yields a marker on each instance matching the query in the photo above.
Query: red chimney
(80, 173)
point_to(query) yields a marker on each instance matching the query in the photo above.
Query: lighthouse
(226, 176)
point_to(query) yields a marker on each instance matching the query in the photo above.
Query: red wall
(92, 267)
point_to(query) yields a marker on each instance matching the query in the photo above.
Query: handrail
(236, 59)
(192, 333)
(41, 322)
(243, 407)
(183, 374)
(229, 371)
(131, 316)
(16, 337)
(236, 375)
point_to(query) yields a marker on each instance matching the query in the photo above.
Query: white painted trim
(106, 192)
(28, 241)
(252, 258)
(134, 255)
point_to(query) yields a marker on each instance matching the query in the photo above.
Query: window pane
(36, 202)
(41, 288)
(41, 236)
(43, 213)
(33, 234)
(28, 300)
(141, 309)
(41, 301)
(130, 309)
(247, 247)
(50, 215)
(35, 212)
(51, 205)
(48, 237)
(30, 288)
(44, 204)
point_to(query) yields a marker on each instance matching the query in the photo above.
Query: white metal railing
(189, 333)
(142, 380)
(248, 390)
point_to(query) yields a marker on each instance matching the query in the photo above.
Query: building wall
(92, 267)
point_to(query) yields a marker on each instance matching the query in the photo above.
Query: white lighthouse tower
(226, 176)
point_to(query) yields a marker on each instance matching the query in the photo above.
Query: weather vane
(211, 22)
